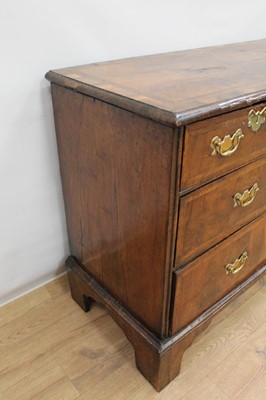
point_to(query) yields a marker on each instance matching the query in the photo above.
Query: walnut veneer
(163, 166)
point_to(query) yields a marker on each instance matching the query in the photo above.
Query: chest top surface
(179, 87)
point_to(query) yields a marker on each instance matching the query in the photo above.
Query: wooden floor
(50, 349)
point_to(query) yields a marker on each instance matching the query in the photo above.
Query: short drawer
(211, 213)
(219, 145)
(203, 282)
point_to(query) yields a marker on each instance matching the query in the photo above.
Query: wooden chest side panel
(67, 116)
(121, 165)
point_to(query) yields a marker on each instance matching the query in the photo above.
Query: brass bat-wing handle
(237, 265)
(246, 198)
(256, 119)
(228, 145)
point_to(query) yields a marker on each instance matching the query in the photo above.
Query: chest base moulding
(163, 167)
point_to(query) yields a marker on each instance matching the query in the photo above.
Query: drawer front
(210, 214)
(241, 147)
(204, 281)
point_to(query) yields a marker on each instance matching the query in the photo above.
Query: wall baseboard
(22, 291)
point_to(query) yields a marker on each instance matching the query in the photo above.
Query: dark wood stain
(150, 215)
(176, 88)
(121, 165)
(200, 166)
(203, 282)
(68, 115)
(208, 215)
(158, 360)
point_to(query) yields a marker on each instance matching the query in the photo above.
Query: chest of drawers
(163, 166)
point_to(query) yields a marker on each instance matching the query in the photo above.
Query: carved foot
(158, 360)
(79, 291)
(160, 366)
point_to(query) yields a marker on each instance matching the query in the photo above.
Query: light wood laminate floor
(50, 349)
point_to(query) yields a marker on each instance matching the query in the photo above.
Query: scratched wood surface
(118, 172)
(177, 87)
(203, 282)
(51, 349)
(208, 215)
(201, 166)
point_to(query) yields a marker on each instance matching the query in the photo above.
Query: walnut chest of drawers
(163, 166)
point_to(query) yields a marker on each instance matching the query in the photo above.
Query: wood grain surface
(67, 119)
(176, 88)
(208, 215)
(144, 197)
(118, 173)
(200, 166)
(204, 281)
(86, 356)
(158, 360)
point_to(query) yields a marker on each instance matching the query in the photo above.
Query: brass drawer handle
(256, 119)
(237, 265)
(246, 198)
(228, 145)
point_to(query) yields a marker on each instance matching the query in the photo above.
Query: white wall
(40, 35)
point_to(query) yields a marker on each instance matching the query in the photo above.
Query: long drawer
(211, 276)
(219, 145)
(213, 212)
